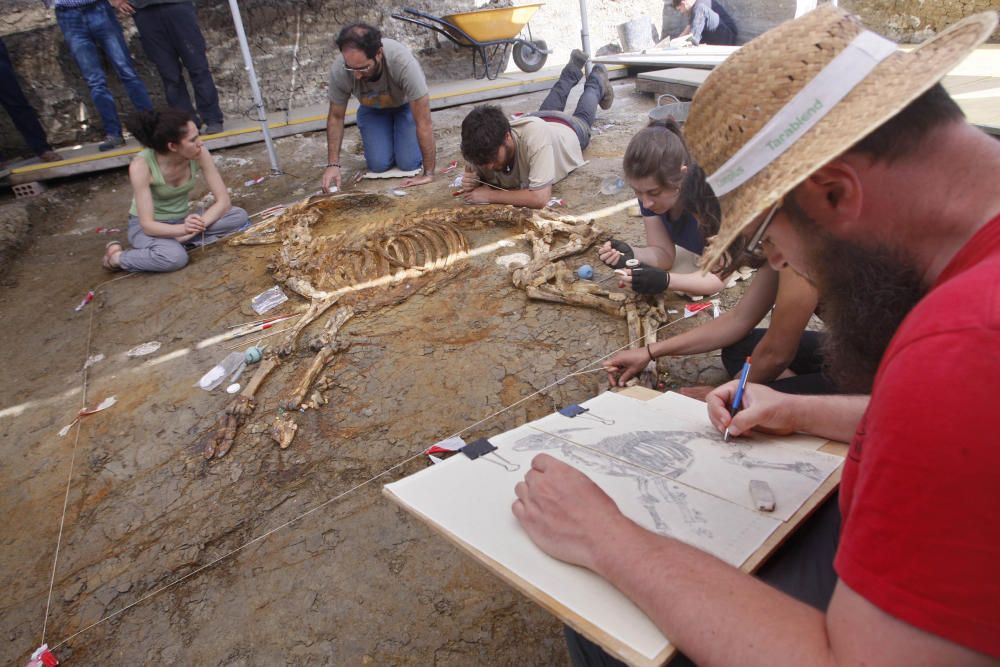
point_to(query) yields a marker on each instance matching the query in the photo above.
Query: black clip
(482, 447)
(574, 410)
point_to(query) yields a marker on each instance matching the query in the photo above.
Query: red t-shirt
(920, 495)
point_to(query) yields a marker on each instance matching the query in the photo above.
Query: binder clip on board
(575, 410)
(483, 449)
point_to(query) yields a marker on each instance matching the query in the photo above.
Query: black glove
(626, 251)
(649, 280)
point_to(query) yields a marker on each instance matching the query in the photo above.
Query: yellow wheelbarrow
(488, 32)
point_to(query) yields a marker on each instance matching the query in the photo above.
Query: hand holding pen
(737, 404)
(757, 407)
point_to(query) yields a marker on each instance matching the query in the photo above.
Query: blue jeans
(87, 28)
(389, 137)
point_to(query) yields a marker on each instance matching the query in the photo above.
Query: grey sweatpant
(155, 253)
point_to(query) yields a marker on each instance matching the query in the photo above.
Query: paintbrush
(489, 185)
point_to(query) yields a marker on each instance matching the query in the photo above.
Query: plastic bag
(268, 300)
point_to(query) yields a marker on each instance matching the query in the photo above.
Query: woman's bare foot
(112, 253)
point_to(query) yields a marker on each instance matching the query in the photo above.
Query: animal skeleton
(360, 268)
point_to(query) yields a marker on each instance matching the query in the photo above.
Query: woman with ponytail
(160, 228)
(678, 210)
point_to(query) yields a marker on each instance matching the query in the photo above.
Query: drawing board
(655, 480)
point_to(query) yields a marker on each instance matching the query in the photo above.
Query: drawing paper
(694, 454)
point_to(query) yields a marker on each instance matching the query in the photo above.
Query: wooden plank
(679, 90)
(701, 57)
(596, 634)
(87, 159)
(681, 82)
(685, 75)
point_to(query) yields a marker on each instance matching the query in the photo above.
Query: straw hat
(751, 86)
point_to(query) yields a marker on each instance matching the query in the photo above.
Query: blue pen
(738, 398)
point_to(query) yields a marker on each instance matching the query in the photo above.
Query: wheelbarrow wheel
(528, 58)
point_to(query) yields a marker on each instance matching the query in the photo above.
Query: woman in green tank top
(162, 175)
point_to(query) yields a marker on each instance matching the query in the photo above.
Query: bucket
(679, 110)
(637, 34)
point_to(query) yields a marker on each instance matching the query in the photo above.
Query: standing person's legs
(74, 26)
(158, 43)
(556, 99)
(151, 253)
(21, 113)
(405, 144)
(108, 32)
(377, 138)
(182, 23)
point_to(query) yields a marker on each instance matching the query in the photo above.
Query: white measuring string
(72, 458)
(354, 488)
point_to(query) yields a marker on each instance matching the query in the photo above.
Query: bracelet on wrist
(650, 353)
(333, 164)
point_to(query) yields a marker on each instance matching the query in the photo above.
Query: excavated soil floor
(357, 581)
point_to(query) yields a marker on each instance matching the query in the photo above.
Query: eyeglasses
(362, 70)
(752, 253)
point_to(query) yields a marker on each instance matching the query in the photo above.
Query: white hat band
(840, 76)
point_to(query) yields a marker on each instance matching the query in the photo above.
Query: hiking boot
(578, 59)
(111, 141)
(600, 72)
(213, 128)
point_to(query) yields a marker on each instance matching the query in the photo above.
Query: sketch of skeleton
(801, 467)
(670, 460)
(742, 456)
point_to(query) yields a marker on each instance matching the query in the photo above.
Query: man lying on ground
(518, 162)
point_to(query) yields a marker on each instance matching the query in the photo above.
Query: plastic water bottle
(232, 365)
(612, 185)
